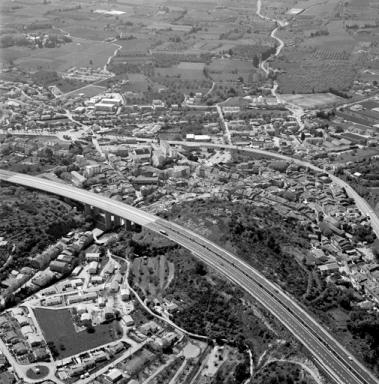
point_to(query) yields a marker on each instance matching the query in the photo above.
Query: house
(77, 178)
(76, 370)
(128, 320)
(116, 348)
(41, 354)
(90, 296)
(115, 286)
(142, 154)
(60, 267)
(20, 349)
(92, 256)
(22, 320)
(99, 356)
(27, 329)
(92, 268)
(109, 269)
(96, 280)
(10, 336)
(125, 294)
(113, 375)
(51, 301)
(77, 270)
(34, 340)
(329, 268)
(4, 322)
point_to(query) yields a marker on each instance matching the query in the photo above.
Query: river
(296, 111)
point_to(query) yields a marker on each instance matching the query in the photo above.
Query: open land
(57, 327)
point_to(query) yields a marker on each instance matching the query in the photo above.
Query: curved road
(331, 356)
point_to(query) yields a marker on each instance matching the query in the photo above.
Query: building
(77, 178)
(141, 154)
(60, 267)
(26, 330)
(92, 268)
(128, 320)
(125, 294)
(113, 375)
(96, 280)
(231, 110)
(22, 320)
(90, 296)
(20, 349)
(105, 107)
(92, 169)
(77, 270)
(115, 286)
(92, 256)
(41, 354)
(48, 255)
(198, 138)
(51, 301)
(34, 340)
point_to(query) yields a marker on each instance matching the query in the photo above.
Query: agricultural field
(183, 70)
(222, 70)
(313, 77)
(79, 53)
(58, 328)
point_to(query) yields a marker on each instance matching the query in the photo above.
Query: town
(189, 193)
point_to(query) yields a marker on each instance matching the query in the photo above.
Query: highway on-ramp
(331, 356)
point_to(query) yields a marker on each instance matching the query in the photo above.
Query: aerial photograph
(189, 192)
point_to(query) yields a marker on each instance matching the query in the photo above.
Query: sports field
(314, 100)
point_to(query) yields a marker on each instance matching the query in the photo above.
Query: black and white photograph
(189, 192)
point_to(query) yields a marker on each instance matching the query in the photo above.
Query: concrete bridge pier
(128, 225)
(87, 210)
(108, 223)
(116, 221)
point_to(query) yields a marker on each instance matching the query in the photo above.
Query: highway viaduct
(108, 221)
(328, 352)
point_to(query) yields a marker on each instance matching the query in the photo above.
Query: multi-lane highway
(331, 356)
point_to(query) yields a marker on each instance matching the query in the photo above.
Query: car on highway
(163, 232)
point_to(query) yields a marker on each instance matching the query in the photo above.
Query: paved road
(224, 124)
(326, 350)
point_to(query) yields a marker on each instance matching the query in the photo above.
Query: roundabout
(37, 372)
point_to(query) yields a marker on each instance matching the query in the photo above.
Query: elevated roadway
(331, 356)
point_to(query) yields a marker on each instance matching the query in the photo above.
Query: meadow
(58, 328)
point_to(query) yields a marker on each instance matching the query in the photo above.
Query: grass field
(57, 327)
